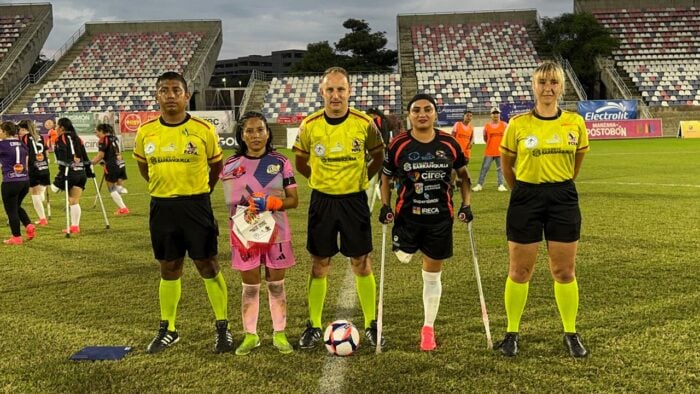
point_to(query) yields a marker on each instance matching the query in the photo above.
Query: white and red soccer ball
(341, 338)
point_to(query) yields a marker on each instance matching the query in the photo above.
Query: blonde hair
(550, 70)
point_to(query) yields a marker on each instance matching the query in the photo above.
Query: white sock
(432, 291)
(75, 212)
(38, 205)
(117, 198)
(43, 193)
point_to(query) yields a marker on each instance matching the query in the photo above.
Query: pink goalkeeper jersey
(270, 174)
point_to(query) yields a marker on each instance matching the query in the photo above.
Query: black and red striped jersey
(423, 171)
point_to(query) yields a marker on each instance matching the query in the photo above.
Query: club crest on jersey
(407, 167)
(440, 154)
(531, 142)
(39, 157)
(418, 187)
(320, 150)
(356, 146)
(191, 149)
(273, 169)
(19, 168)
(573, 139)
(149, 148)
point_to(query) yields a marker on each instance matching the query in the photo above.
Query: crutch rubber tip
(107, 227)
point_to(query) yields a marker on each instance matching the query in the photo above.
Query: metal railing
(254, 76)
(190, 76)
(626, 93)
(580, 92)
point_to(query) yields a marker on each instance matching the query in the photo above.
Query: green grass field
(637, 270)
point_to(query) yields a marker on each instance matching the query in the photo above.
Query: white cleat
(502, 188)
(477, 188)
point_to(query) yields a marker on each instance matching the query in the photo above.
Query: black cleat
(371, 334)
(572, 341)
(163, 339)
(509, 345)
(310, 337)
(224, 339)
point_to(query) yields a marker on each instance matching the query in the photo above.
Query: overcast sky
(257, 27)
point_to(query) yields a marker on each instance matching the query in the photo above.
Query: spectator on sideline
(423, 160)
(52, 134)
(114, 166)
(179, 155)
(463, 132)
(331, 151)
(263, 178)
(493, 133)
(70, 154)
(39, 176)
(542, 152)
(15, 182)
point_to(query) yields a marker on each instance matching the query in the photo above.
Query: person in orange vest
(464, 133)
(493, 134)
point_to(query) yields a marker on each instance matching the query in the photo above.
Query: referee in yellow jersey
(541, 153)
(180, 157)
(331, 151)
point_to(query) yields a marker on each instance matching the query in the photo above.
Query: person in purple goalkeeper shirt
(15, 182)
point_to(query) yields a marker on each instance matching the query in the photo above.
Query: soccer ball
(341, 338)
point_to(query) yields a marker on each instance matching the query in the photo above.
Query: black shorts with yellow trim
(433, 240)
(549, 208)
(182, 225)
(346, 215)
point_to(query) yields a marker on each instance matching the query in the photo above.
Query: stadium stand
(659, 51)
(294, 95)
(113, 66)
(24, 29)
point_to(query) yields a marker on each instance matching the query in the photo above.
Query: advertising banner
(508, 110)
(620, 129)
(43, 122)
(689, 129)
(83, 122)
(608, 109)
(129, 122)
(290, 119)
(224, 121)
(448, 115)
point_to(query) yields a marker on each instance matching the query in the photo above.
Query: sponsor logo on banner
(508, 110)
(689, 129)
(608, 109)
(449, 114)
(617, 129)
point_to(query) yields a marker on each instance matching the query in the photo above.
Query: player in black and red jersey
(422, 160)
(114, 166)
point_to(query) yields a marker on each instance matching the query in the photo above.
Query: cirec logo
(132, 122)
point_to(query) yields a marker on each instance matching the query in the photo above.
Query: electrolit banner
(449, 114)
(508, 110)
(608, 109)
(617, 129)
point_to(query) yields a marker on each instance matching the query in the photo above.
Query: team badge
(320, 150)
(419, 188)
(416, 210)
(440, 154)
(356, 146)
(531, 142)
(273, 169)
(190, 149)
(407, 167)
(150, 148)
(39, 157)
(19, 168)
(573, 139)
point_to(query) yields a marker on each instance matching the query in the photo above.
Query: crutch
(99, 197)
(380, 308)
(484, 314)
(48, 201)
(99, 189)
(65, 175)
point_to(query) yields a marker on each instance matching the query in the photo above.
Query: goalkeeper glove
(261, 202)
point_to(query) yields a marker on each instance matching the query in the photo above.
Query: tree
(579, 38)
(359, 50)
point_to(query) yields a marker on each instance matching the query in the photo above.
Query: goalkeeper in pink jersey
(258, 179)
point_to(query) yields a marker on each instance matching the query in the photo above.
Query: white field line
(644, 153)
(333, 377)
(651, 184)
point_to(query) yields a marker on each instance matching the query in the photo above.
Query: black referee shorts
(551, 208)
(347, 215)
(433, 240)
(183, 224)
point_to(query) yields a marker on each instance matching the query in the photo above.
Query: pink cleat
(13, 241)
(73, 230)
(122, 211)
(427, 339)
(42, 222)
(31, 231)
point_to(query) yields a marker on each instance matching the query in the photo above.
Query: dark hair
(242, 148)
(421, 96)
(172, 76)
(10, 128)
(105, 128)
(467, 111)
(373, 111)
(30, 127)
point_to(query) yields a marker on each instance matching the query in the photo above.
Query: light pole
(223, 80)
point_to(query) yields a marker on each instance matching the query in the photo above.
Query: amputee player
(114, 165)
(331, 152)
(259, 178)
(15, 182)
(423, 160)
(542, 152)
(179, 155)
(73, 160)
(39, 175)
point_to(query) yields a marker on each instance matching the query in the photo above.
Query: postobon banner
(689, 129)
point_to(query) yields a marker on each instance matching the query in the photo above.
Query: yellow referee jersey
(178, 156)
(337, 152)
(545, 147)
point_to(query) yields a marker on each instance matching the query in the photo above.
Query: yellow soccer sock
(367, 292)
(169, 296)
(218, 295)
(316, 298)
(515, 298)
(566, 295)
